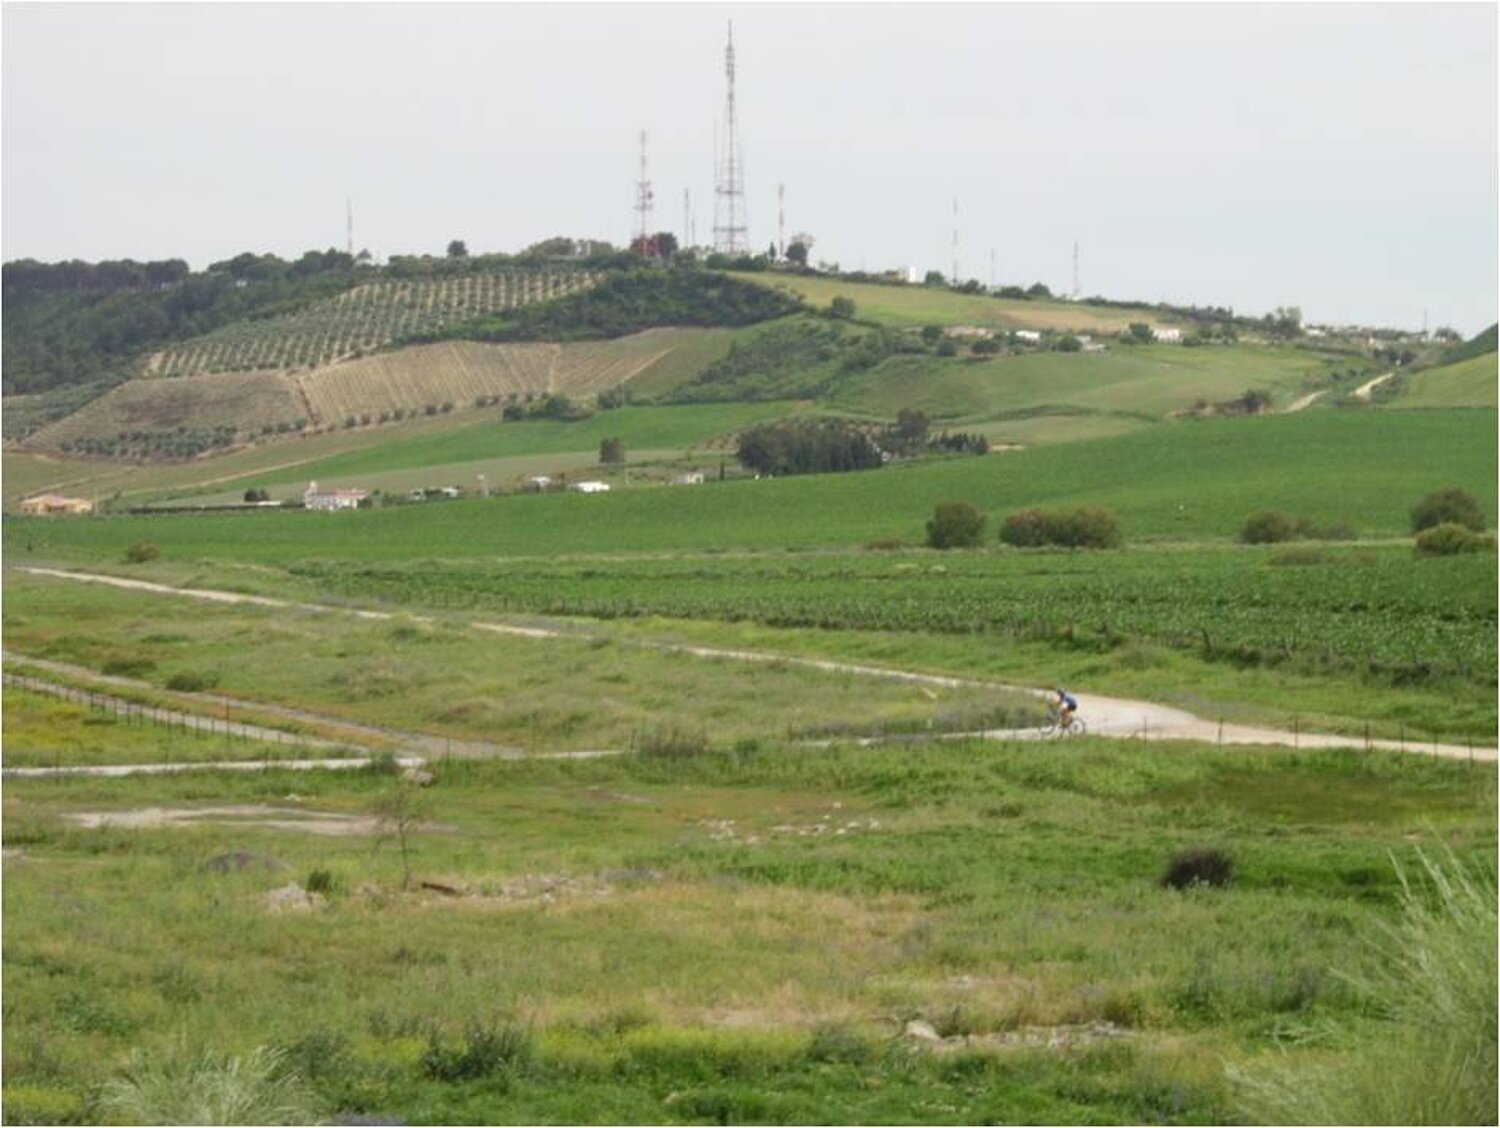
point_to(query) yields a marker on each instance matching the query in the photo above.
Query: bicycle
(1063, 726)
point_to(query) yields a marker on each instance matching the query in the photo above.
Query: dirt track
(1106, 716)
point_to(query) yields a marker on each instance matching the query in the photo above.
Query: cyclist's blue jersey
(1069, 700)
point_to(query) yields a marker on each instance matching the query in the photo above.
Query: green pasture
(1149, 381)
(1186, 481)
(447, 679)
(912, 305)
(640, 428)
(742, 936)
(1469, 383)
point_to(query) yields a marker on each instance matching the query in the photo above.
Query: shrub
(487, 1049)
(670, 742)
(141, 552)
(885, 544)
(191, 681)
(955, 524)
(1025, 529)
(1452, 540)
(184, 1087)
(1198, 867)
(841, 308)
(1452, 506)
(1089, 526)
(1268, 526)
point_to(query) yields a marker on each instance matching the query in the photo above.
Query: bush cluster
(955, 524)
(1089, 526)
(807, 446)
(1452, 539)
(1271, 526)
(1451, 506)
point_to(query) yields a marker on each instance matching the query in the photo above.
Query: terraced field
(367, 317)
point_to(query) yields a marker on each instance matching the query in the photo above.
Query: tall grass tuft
(180, 1086)
(1435, 982)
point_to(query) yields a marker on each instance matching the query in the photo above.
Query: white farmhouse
(1167, 335)
(590, 487)
(690, 478)
(313, 498)
(1030, 335)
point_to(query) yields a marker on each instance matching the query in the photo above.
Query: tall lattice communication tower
(644, 199)
(730, 236)
(1077, 290)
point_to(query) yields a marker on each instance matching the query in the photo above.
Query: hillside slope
(360, 392)
(1464, 383)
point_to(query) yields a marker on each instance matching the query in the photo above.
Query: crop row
(365, 318)
(1377, 617)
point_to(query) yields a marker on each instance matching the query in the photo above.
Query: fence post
(1221, 732)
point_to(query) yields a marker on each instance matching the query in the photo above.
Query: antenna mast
(781, 221)
(955, 241)
(729, 188)
(643, 201)
(1077, 293)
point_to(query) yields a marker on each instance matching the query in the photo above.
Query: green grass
(1149, 381)
(907, 306)
(703, 952)
(1187, 481)
(538, 695)
(1469, 383)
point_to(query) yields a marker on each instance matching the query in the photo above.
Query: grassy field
(1469, 383)
(449, 680)
(935, 305)
(1150, 381)
(1187, 481)
(732, 937)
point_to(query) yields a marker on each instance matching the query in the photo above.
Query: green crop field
(1179, 482)
(913, 305)
(1150, 381)
(1469, 383)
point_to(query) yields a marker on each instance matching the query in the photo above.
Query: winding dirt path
(1364, 391)
(1106, 716)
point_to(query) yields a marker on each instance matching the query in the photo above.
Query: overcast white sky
(1339, 157)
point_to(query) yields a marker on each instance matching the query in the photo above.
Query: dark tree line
(72, 323)
(807, 446)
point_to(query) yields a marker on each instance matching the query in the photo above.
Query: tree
(398, 816)
(1453, 506)
(934, 278)
(841, 308)
(771, 252)
(910, 434)
(955, 524)
(611, 452)
(797, 253)
(932, 334)
(1285, 323)
(985, 346)
(457, 249)
(1139, 333)
(1038, 290)
(1069, 343)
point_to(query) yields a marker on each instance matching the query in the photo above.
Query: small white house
(313, 498)
(967, 332)
(1167, 335)
(590, 487)
(1029, 335)
(691, 478)
(539, 483)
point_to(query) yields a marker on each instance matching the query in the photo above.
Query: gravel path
(1106, 716)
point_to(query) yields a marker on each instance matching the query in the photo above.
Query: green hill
(1463, 383)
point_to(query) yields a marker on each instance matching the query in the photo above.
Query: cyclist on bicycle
(1067, 705)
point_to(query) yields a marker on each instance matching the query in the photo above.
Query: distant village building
(313, 498)
(691, 478)
(54, 505)
(1029, 335)
(967, 332)
(1167, 336)
(538, 483)
(590, 487)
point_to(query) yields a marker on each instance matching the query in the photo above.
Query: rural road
(1106, 716)
(1301, 403)
(1364, 391)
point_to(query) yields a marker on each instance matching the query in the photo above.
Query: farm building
(1028, 335)
(967, 332)
(691, 478)
(54, 505)
(1167, 336)
(313, 498)
(538, 482)
(590, 487)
